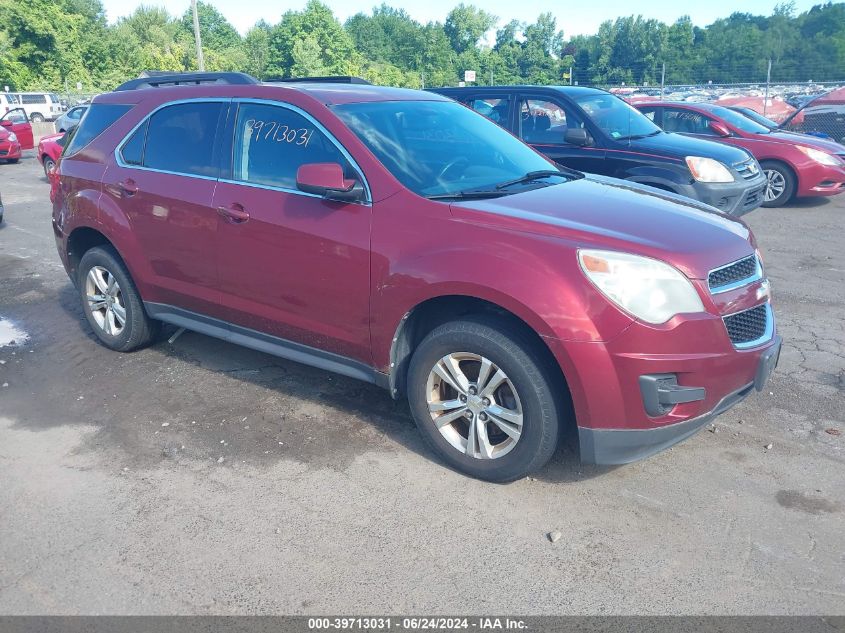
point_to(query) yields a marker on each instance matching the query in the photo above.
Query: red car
(796, 165)
(49, 149)
(397, 237)
(15, 135)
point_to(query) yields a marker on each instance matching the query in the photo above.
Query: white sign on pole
(469, 75)
(79, 85)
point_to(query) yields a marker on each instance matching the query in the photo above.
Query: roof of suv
(327, 93)
(569, 90)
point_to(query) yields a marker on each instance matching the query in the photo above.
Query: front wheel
(49, 166)
(780, 184)
(111, 302)
(483, 399)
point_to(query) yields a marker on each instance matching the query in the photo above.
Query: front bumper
(622, 446)
(735, 198)
(10, 150)
(821, 180)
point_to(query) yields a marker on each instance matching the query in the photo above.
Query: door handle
(234, 213)
(128, 187)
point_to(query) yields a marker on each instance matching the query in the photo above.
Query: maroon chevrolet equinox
(397, 237)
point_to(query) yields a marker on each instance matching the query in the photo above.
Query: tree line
(53, 44)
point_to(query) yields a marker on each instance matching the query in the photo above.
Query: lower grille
(753, 199)
(748, 327)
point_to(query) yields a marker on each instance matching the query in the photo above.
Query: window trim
(227, 142)
(119, 149)
(230, 141)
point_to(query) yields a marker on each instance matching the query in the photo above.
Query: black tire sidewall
(135, 330)
(540, 412)
(789, 189)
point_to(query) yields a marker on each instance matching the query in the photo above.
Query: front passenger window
(271, 142)
(545, 122)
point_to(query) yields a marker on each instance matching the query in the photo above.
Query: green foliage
(53, 44)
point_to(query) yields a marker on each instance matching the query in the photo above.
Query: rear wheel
(780, 184)
(483, 400)
(111, 301)
(36, 117)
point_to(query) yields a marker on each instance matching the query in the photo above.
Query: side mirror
(326, 179)
(6, 123)
(577, 136)
(720, 128)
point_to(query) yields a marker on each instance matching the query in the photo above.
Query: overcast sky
(576, 18)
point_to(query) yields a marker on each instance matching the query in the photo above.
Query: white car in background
(40, 106)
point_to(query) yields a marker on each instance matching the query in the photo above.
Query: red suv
(795, 165)
(398, 237)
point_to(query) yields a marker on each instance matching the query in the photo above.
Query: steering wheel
(451, 165)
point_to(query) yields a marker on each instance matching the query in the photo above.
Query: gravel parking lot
(202, 478)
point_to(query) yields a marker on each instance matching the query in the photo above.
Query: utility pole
(663, 80)
(422, 80)
(570, 75)
(197, 39)
(491, 77)
(768, 81)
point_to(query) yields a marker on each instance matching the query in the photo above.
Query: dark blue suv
(594, 131)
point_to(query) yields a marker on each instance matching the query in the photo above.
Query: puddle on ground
(11, 335)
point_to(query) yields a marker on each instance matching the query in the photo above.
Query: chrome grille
(735, 274)
(747, 169)
(750, 327)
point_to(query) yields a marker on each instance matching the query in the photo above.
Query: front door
(543, 123)
(15, 120)
(291, 264)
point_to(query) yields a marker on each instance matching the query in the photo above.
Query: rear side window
(32, 99)
(494, 108)
(180, 139)
(271, 142)
(132, 152)
(98, 117)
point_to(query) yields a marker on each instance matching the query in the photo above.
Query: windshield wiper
(536, 175)
(636, 137)
(467, 195)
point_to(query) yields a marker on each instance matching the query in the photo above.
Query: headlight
(13, 137)
(708, 170)
(819, 156)
(650, 290)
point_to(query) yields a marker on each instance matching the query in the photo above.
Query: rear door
(292, 264)
(543, 121)
(15, 120)
(164, 181)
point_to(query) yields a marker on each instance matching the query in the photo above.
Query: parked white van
(40, 106)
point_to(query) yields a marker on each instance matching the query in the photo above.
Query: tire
(137, 329)
(780, 183)
(36, 117)
(527, 391)
(49, 165)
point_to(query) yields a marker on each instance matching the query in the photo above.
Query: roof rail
(337, 79)
(157, 80)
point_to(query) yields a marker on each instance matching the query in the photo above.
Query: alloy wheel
(105, 300)
(474, 405)
(775, 185)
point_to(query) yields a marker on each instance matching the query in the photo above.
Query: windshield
(739, 121)
(617, 118)
(437, 148)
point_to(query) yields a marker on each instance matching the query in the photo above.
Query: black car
(594, 131)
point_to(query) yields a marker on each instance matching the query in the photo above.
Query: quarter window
(271, 142)
(133, 150)
(181, 139)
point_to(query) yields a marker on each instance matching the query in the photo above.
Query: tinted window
(181, 137)
(98, 117)
(31, 99)
(494, 108)
(617, 118)
(271, 143)
(686, 122)
(440, 147)
(132, 151)
(545, 122)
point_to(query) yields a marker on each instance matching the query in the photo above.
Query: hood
(682, 146)
(793, 138)
(598, 212)
(51, 137)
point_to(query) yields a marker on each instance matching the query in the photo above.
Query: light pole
(197, 39)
